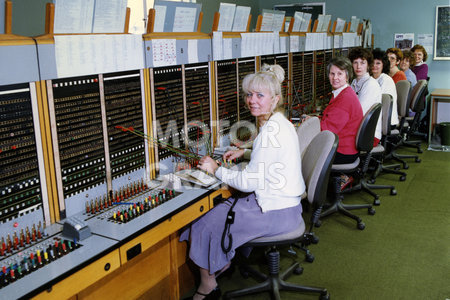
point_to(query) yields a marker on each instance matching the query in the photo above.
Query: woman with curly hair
(420, 68)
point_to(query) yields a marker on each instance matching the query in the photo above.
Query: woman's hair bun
(276, 70)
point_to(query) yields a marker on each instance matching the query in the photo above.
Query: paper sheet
(193, 51)
(109, 16)
(184, 20)
(226, 11)
(227, 48)
(160, 18)
(217, 45)
(298, 17)
(305, 23)
(73, 16)
(241, 18)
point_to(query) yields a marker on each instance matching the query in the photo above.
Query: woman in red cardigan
(343, 114)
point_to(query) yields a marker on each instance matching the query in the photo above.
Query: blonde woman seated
(271, 186)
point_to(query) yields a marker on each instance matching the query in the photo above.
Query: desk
(438, 95)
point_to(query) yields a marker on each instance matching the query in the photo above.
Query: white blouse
(387, 85)
(369, 93)
(274, 172)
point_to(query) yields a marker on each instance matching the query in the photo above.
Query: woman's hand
(208, 165)
(233, 154)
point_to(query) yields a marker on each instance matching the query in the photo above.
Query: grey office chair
(401, 140)
(382, 150)
(364, 144)
(379, 151)
(316, 166)
(306, 132)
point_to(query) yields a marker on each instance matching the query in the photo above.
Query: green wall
(28, 17)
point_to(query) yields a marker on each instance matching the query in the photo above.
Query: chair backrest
(386, 114)
(366, 131)
(403, 87)
(307, 131)
(417, 96)
(316, 165)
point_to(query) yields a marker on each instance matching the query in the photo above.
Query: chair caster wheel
(371, 211)
(309, 258)
(361, 226)
(405, 166)
(376, 202)
(418, 160)
(402, 178)
(314, 239)
(318, 223)
(298, 270)
(325, 297)
(393, 192)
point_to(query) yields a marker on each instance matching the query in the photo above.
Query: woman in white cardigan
(364, 85)
(271, 185)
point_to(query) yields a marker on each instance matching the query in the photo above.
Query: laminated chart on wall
(20, 178)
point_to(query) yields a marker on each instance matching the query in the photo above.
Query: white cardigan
(369, 93)
(387, 85)
(274, 171)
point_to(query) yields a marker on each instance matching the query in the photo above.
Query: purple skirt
(250, 222)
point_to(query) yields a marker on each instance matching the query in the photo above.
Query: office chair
(316, 165)
(417, 106)
(403, 128)
(364, 144)
(307, 130)
(379, 151)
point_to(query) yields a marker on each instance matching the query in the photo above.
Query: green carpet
(404, 252)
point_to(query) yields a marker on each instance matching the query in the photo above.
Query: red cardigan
(343, 116)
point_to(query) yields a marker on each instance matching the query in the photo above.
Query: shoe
(213, 295)
(345, 181)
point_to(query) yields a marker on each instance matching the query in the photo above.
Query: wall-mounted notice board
(442, 33)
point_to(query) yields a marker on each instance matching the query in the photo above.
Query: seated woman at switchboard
(365, 86)
(420, 67)
(395, 55)
(343, 114)
(406, 64)
(271, 185)
(380, 70)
